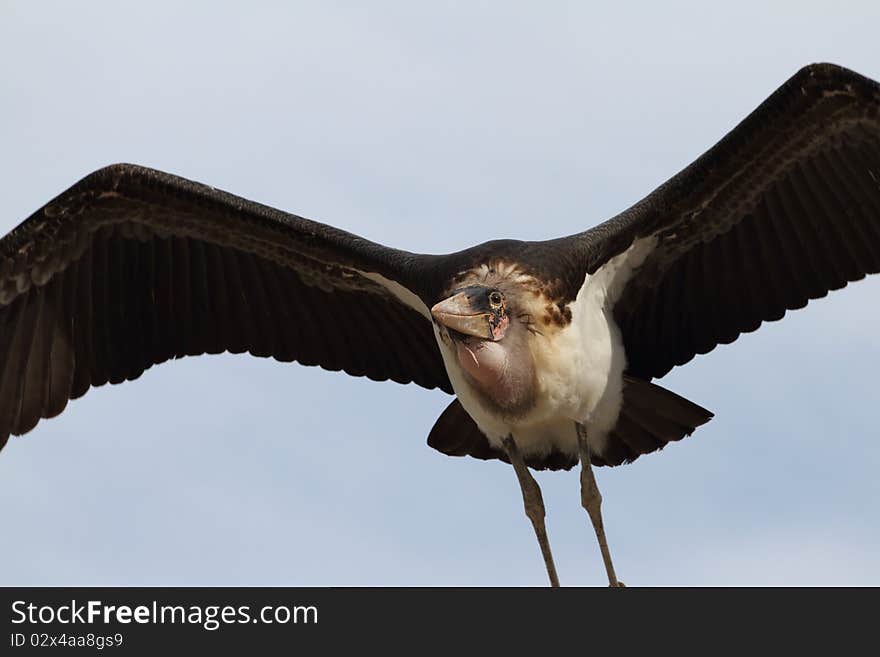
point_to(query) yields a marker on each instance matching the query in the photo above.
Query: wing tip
(830, 76)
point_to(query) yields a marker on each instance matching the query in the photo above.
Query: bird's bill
(459, 314)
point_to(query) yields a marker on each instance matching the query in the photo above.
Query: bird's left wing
(783, 209)
(132, 267)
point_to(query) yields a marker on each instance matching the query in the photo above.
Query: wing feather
(784, 209)
(132, 267)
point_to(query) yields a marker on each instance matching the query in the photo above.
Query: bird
(551, 349)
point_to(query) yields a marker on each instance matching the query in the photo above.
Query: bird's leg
(534, 503)
(591, 499)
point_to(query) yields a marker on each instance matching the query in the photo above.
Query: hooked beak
(459, 314)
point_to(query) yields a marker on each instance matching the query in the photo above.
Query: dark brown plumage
(782, 210)
(132, 267)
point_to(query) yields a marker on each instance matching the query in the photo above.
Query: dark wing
(131, 267)
(783, 209)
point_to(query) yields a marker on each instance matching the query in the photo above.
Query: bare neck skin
(487, 320)
(503, 372)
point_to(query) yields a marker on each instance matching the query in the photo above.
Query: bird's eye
(495, 299)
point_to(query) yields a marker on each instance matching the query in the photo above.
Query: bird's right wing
(131, 267)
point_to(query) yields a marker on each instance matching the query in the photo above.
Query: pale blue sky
(431, 127)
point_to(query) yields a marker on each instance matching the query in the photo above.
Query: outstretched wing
(783, 209)
(131, 267)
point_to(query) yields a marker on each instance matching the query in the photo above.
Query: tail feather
(650, 418)
(644, 395)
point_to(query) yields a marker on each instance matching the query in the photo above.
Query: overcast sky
(430, 127)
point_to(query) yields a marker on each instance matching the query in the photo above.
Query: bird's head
(485, 324)
(476, 311)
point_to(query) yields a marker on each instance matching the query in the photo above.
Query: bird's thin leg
(591, 499)
(534, 504)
